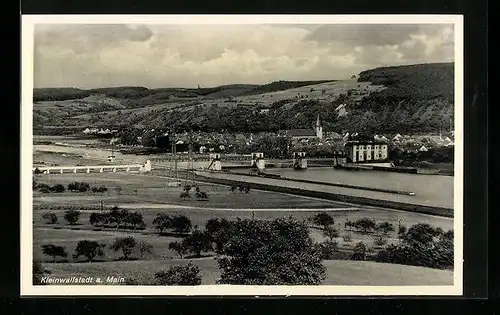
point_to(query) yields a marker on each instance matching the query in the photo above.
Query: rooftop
(301, 133)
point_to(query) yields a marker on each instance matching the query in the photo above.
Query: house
(423, 149)
(397, 137)
(341, 111)
(365, 150)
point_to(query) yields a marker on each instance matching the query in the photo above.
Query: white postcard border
(28, 289)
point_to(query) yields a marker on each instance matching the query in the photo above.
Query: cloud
(360, 35)
(187, 55)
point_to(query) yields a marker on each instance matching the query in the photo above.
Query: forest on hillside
(417, 98)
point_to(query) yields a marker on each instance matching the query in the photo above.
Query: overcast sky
(89, 56)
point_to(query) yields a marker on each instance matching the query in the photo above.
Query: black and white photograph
(242, 155)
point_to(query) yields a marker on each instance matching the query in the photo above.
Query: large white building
(366, 151)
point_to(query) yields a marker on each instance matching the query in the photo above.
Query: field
(99, 108)
(340, 272)
(150, 195)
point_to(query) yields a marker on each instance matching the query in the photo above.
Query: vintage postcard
(242, 155)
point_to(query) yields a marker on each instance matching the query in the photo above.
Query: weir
(258, 161)
(299, 160)
(143, 168)
(215, 162)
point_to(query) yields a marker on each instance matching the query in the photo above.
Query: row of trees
(274, 252)
(363, 225)
(73, 187)
(71, 216)
(114, 218)
(118, 218)
(422, 245)
(178, 223)
(200, 195)
(44, 188)
(93, 249)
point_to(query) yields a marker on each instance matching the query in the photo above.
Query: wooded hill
(417, 98)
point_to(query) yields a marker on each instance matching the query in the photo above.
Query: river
(429, 189)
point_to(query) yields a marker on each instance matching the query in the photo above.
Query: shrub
(347, 238)
(201, 195)
(329, 249)
(180, 224)
(359, 252)
(365, 224)
(118, 216)
(95, 189)
(96, 218)
(135, 219)
(278, 252)
(44, 188)
(51, 217)
(178, 247)
(437, 253)
(198, 242)
(219, 231)
(179, 275)
(385, 227)
(401, 231)
(379, 240)
(323, 219)
(89, 249)
(57, 188)
(54, 251)
(421, 234)
(125, 244)
(72, 216)
(79, 187)
(145, 248)
(131, 281)
(162, 222)
(331, 233)
(38, 272)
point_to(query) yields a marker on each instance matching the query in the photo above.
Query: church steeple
(319, 129)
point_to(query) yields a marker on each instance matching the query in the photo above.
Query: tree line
(274, 252)
(72, 187)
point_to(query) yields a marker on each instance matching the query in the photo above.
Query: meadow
(150, 195)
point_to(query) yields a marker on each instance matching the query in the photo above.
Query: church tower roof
(318, 124)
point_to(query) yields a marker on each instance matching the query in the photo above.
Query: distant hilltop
(405, 99)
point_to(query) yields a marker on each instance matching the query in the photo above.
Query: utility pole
(190, 162)
(174, 153)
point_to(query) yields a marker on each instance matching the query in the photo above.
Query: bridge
(146, 167)
(241, 157)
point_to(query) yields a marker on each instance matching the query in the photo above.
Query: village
(314, 141)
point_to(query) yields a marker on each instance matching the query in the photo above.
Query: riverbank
(288, 187)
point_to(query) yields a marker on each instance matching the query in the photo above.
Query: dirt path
(170, 206)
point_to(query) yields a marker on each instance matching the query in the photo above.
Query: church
(306, 134)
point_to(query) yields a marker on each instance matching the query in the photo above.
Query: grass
(148, 189)
(151, 191)
(338, 272)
